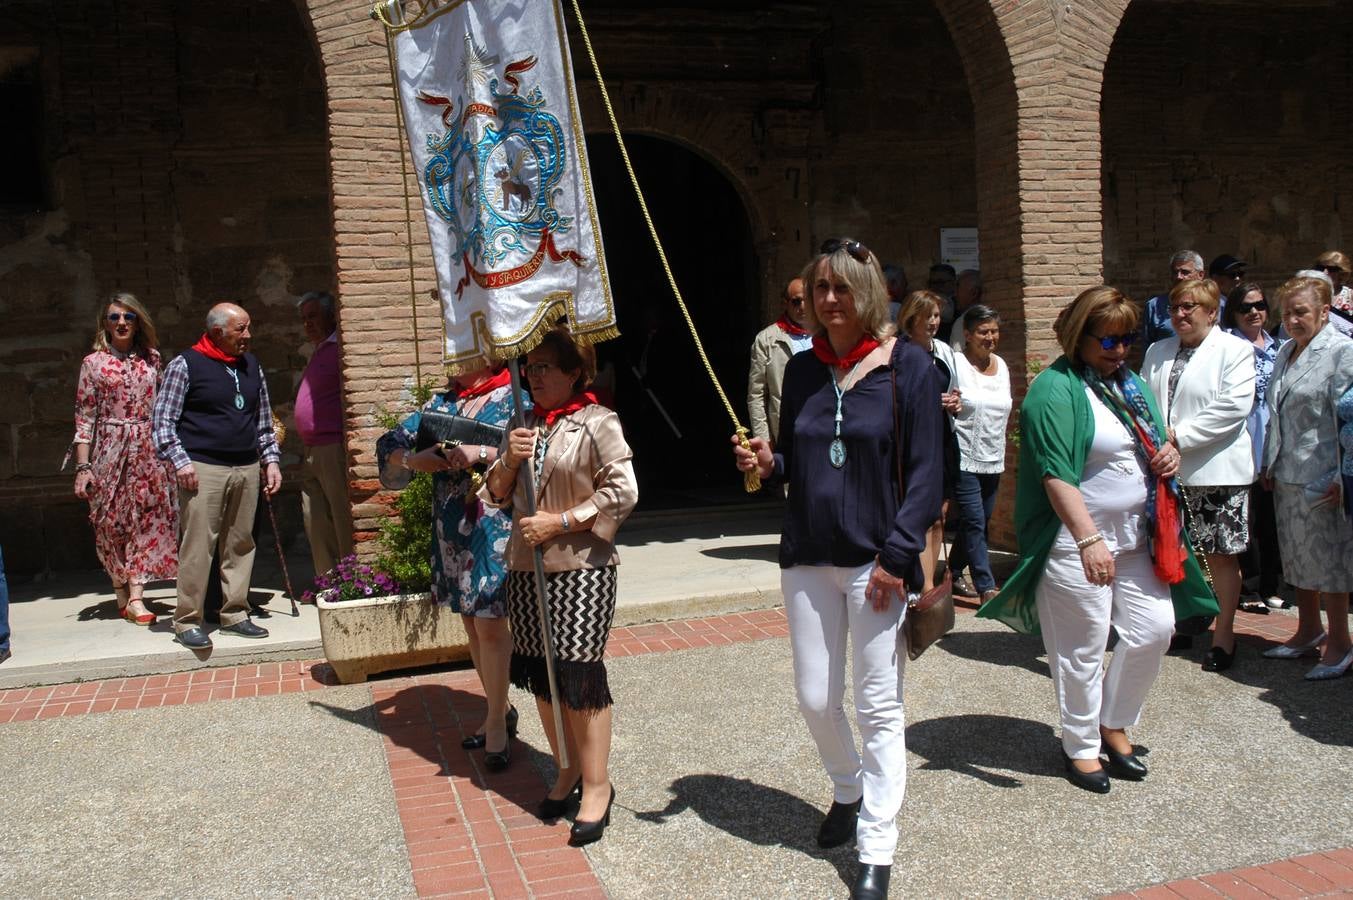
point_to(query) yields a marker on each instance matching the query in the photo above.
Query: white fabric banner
(486, 88)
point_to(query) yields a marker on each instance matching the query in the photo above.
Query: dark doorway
(660, 386)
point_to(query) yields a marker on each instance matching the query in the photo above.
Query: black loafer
(1094, 782)
(1124, 765)
(193, 639)
(584, 833)
(1218, 660)
(551, 809)
(871, 883)
(839, 825)
(245, 629)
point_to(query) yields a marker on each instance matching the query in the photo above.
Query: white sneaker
(1275, 602)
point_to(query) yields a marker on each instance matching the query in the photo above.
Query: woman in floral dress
(468, 539)
(132, 502)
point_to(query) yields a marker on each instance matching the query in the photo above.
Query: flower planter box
(363, 637)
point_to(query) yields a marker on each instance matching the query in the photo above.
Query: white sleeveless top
(1113, 485)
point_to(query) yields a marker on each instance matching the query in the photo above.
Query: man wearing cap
(319, 420)
(771, 350)
(1156, 325)
(213, 423)
(1227, 272)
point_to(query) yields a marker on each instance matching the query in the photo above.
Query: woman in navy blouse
(853, 536)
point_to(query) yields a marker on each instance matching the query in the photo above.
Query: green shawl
(1056, 428)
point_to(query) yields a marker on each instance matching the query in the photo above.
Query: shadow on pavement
(766, 552)
(755, 813)
(1001, 648)
(1314, 709)
(974, 745)
(432, 719)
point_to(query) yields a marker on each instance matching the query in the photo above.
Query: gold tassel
(750, 480)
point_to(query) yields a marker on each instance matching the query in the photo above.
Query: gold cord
(404, 183)
(751, 480)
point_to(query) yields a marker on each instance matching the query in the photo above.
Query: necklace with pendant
(239, 396)
(836, 451)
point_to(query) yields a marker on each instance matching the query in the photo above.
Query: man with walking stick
(213, 423)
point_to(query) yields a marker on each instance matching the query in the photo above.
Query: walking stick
(546, 629)
(281, 558)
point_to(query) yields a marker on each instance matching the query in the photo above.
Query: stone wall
(185, 161)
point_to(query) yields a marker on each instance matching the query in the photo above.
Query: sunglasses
(797, 301)
(1109, 341)
(1330, 269)
(1246, 308)
(857, 250)
(128, 317)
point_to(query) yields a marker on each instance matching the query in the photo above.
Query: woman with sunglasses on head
(1101, 543)
(1204, 380)
(919, 320)
(861, 433)
(585, 489)
(1335, 264)
(1302, 465)
(468, 539)
(131, 492)
(1245, 315)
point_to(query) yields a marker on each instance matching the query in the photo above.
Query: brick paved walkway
(467, 841)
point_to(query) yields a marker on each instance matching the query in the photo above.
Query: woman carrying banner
(468, 540)
(131, 493)
(1101, 540)
(861, 433)
(585, 489)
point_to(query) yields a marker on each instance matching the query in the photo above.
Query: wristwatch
(483, 453)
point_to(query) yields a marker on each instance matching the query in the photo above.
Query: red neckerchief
(790, 328)
(211, 351)
(568, 407)
(493, 382)
(822, 349)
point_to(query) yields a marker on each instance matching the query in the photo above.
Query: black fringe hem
(582, 685)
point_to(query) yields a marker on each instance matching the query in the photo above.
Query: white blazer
(1209, 409)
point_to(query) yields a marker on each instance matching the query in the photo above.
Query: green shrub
(406, 541)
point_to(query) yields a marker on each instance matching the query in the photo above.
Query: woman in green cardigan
(1102, 543)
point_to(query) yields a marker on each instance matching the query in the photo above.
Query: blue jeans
(4, 606)
(976, 498)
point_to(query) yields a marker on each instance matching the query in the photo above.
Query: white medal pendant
(239, 401)
(837, 453)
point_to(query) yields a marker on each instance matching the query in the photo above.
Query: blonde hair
(867, 288)
(1203, 291)
(1324, 294)
(1334, 258)
(144, 339)
(1103, 308)
(916, 305)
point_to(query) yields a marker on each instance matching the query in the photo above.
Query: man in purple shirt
(319, 421)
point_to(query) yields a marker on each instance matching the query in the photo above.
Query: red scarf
(493, 382)
(211, 351)
(822, 349)
(790, 328)
(568, 407)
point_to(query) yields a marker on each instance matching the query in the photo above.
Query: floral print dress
(134, 505)
(468, 539)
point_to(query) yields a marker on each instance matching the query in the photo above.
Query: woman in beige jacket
(586, 488)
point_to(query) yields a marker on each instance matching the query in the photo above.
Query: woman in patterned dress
(1204, 380)
(586, 489)
(468, 540)
(132, 500)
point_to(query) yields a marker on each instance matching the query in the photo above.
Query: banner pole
(528, 472)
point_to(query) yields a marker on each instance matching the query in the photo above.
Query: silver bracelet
(563, 520)
(1089, 541)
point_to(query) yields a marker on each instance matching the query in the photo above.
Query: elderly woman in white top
(1204, 379)
(984, 411)
(919, 320)
(1301, 464)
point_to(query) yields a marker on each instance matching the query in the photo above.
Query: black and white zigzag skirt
(582, 604)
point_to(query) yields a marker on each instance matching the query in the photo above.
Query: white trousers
(824, 605)
(1075, 617)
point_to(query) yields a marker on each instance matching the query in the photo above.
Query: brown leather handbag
(930, 615)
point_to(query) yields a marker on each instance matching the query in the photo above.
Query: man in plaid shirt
(213, 424)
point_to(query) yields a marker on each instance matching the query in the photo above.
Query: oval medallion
(838, 453)
(239, 401)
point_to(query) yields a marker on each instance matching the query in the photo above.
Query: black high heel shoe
(1095, 782)
(551, 809)
(584, 833)
(476, 741)
(1123, 765)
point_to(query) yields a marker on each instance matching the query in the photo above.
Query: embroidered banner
(486, 89)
